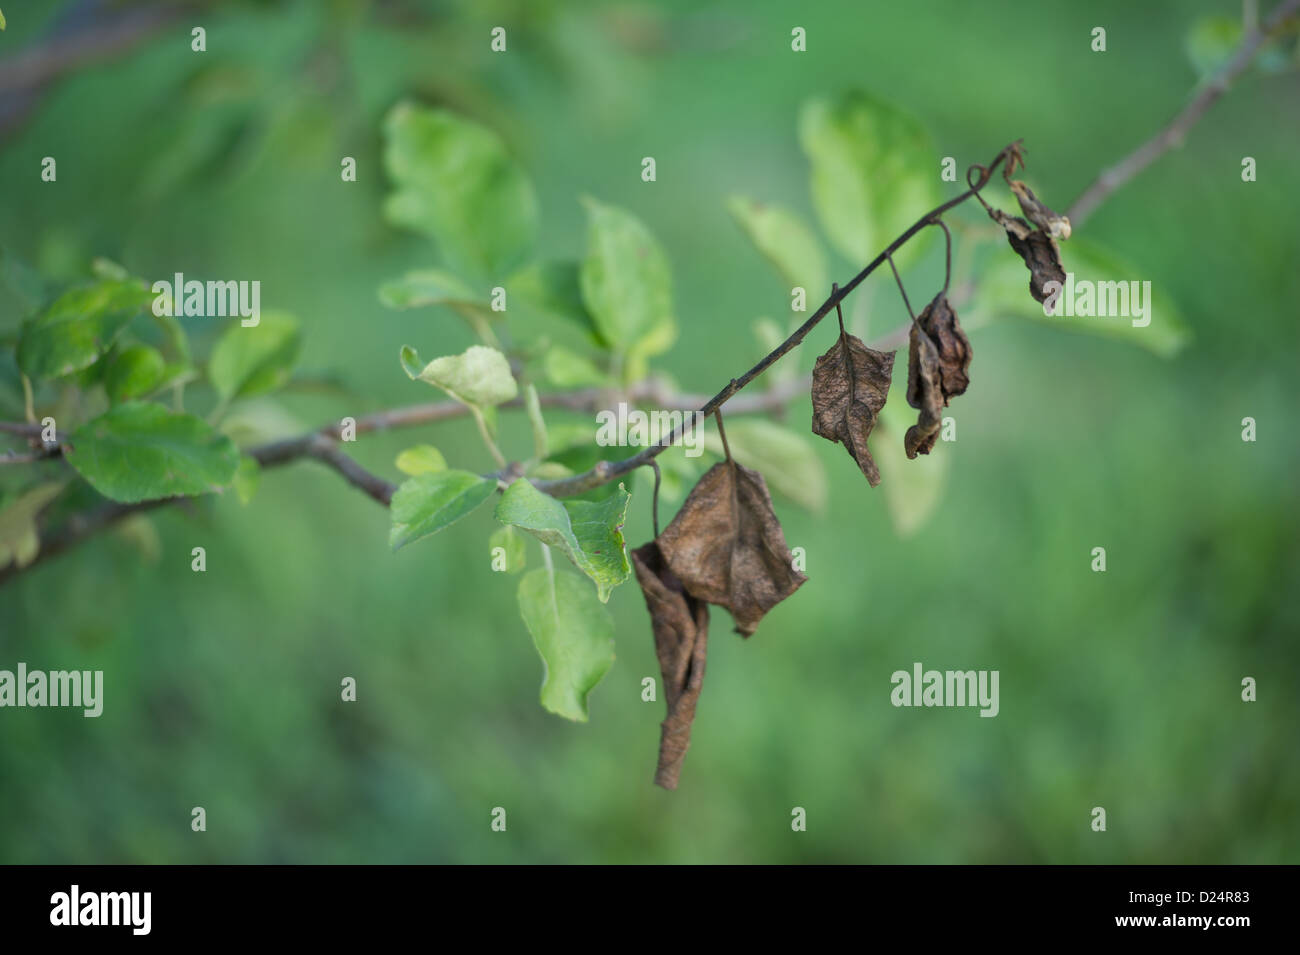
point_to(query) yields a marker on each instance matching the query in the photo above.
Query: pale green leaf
(480, 377)
(913, 487)
(589, 533)
(555, 289)
(786, 459)
(573, 633)
(249, 361)
(421, 459)
(19, 540)
(513, 552)
(247, 478)
(143, 452)
(1004, 290)
(783, 239)
(626, 282)
(78, 327)
(874, 173)
(429, 287)
(454, 180)
(134, 372)
(568, 369)
(533, 404)
(427, 503)
(1211, 42)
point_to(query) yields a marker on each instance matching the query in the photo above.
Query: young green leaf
(873, 172)
(533, 402)
(573, 633)
(555, 289)
(589, 533)
(513, 552)
(480, 377)
(253, 361)
(428, 287)
(143, 452)
(785, 241)
(454, 180)
(567, 369)
(19, 541)
(913, 489)
(134, 372)
(247, 477)
(427, 503)
(626, 282)
(78, 327)
(421, 459)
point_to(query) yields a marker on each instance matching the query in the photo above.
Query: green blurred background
(1119, 690)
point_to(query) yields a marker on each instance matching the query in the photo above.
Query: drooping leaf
(248, 361)
(681, 632)
(626, 282)
(1041, 254)
(454, 180)
(429, 287)
(427, 503)
(726, 546)
(480, 377)
(924, 392)
(873, 172)
(573, 633)
(849, 386)
(785, 456)
(512, 547)
(421, 459)
(589, 533)
(785, 241)
(952, 351)
(143, 452)
(134, 372)
(19, 540)
(78, 327)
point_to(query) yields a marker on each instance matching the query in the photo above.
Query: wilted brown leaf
(1038, 248)
(1056, 226)
(726, 545)
(924, 391)
(849, 386)
(681, 630)
(939, 321)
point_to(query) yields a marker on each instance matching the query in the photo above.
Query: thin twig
(1176, 129)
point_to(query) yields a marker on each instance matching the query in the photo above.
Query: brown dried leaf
(726, 546)
(939, 322)
(1056, 226)
(1039, 250)
(924, 391)
(681, 629)
(849, 386)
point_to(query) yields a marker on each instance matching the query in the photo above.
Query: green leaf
(555, 289)
(253, 361)
(589, 533)
(874, 173)
(568, 369)
(19, 540)
(3, 25)
(783, 239)
(913, 488)
(1211, 42)
(480, 377)
(421, 459)
(626, 282)
(573, 633)
(143, 452)
(247, 478)
(1004, 290)
(454, 181)
(134, 373)
(427, 503)
(78, 327)
(786, 460)
(429, 287)
(533, 403)
(512, 547)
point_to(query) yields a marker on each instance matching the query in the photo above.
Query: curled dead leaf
(924, 391)
(727, 548)
(1056, 226)
(681, 631)
(1039, 250)
(849, 386)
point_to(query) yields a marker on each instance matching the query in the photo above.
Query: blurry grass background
(1119, 690)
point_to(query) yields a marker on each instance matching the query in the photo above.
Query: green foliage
(142, 452)
(512, 545)
(78, 327)
(428, 502)
(134, 372)
(589, 533)
(785, 241)
(455, 181)
(254, 360)
(19, 542)
(480, 377)
(574, 634)
(421, 459)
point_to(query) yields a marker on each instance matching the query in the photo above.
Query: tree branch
(1174, 132)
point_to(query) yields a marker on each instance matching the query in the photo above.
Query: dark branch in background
(1174, 132)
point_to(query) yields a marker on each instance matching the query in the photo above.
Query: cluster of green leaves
(107, 381)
